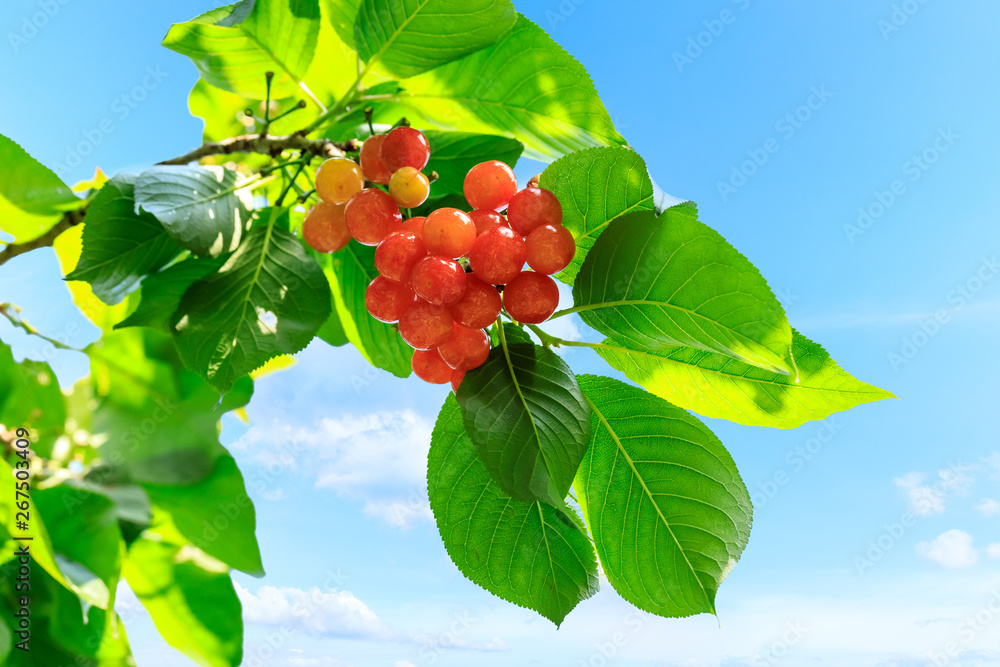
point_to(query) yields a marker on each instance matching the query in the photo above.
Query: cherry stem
(17, 321)
(291, 183)
(547, 339)
(269, 77)
(369, 110)
(282, 165)
(300, 105)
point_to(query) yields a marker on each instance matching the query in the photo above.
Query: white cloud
(988, 507)
(956, 480)
(276, 495)
(403, 663)
(993, 551)
(993, 462)
(312, 611)
(325, 661)
(929, 499)
(294, 661)
(379, 459)
(952, 550)
(924, 500)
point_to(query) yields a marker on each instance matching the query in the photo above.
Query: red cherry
(550, 248)
(466, 349)
(449, 232)
(480, 307)
(490, 185)
(456, 380)
(324, 227)
(531, 208)
(371, 216)
(531, 297)
(338, 179)
(409, 187)
(430, 367)
(497, 255)
(484, 220)
(397, 253)
(387, 300)
(438, 280)
(424, 326)
(405, 147)
(371, 160)
(415, 225)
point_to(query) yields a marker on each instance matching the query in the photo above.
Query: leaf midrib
(520, 394)
(272, 55)
(493, 103)
(390, 40)
(730, 376)
(117, 258)
(652, 500)
(608, 222)
(548, 549)
(265, 244)
(693, 314)
(205, 200)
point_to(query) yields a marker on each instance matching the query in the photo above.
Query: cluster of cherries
(444, 277)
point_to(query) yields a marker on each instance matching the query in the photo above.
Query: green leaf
(27, 184)
(21, 225)
(216, 514)
(30, 398)
(195, 609)
(234, 46)
(269, 298)
(665, 504)
(349, 271)
(531, 425)
(595, 186)
(407, 37)
(68, 247)
(333, 71)
(120, 244)
(526, 86)
(32, 198)
(332, 332)
(720, 387)
(65, 629)
(162, 292)
(220, 110)
(131, 502)
(342, 15)
(83, 527)
(453, 154)
(653, 282)
(6, 641)
(531, 554)
(159, 421)
(41, 545)
(202, 208)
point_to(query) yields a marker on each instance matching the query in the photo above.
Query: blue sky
(851, 111)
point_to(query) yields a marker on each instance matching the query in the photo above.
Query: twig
(69, 219)
(16, 320)
(273, 146)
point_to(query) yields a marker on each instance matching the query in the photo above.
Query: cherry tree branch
(247, 143)
(69, 219)
(265, 145)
